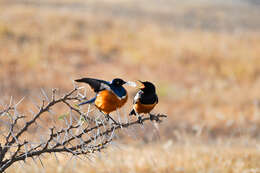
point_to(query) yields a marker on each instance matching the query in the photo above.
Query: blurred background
(202, 55)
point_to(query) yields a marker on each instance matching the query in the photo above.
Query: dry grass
(164, 158)
(208, 83)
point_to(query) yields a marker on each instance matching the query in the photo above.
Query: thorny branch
(85, 132)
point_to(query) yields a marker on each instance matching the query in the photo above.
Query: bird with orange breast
(109, 95)
(145, 100)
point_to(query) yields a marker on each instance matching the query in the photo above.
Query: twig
(76, 138)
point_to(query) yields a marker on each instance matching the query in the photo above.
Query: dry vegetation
(164, 158)
(208, 83)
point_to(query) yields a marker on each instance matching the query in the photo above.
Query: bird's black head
(118, 82)
(147, 87)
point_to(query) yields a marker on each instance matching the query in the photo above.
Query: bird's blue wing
(99, 85)
(119, 91)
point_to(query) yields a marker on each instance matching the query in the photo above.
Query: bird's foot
(114, 121)
(140, 120)
(155, 118)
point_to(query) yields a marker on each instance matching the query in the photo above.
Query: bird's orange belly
(143, 108)
(107, 101)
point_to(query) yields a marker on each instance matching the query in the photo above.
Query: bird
(109, 95)
(145, 100)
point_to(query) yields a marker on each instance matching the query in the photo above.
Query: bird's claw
(155, 118)
(114, 121)
(140, 120)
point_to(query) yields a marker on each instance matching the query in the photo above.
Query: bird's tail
(88, 101)
(86, 80)
(132, 112)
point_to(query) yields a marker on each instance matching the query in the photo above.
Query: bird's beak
(130, 83)
(140, 85)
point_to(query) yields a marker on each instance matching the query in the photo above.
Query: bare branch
(80, 134)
